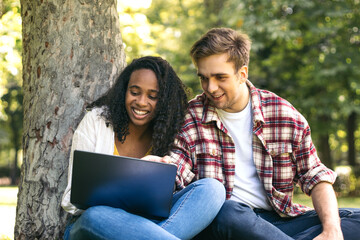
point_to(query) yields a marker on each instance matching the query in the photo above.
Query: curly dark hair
(170, 108)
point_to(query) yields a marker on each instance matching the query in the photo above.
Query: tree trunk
(351, 128)
(14, 168)
(72, 53)
(325, 151)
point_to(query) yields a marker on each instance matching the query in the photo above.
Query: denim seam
(180, 206)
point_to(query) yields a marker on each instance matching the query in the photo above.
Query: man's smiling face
(225, 88)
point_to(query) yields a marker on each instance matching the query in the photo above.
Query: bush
(346, 183)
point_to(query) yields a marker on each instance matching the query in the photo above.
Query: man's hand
(332, 234)
(154, 158)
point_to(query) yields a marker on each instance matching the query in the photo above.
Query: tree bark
(14, 167)
(72, 53)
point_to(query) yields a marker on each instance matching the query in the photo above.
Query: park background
(308, 52)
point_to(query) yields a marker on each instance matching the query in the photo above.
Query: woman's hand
(154, 158)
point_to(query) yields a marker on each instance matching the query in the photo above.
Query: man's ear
(243, 73)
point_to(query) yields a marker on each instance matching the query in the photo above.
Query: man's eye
(202, 78)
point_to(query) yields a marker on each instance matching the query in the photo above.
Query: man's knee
(231, 214)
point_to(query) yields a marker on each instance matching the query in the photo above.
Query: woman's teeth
(139, 112)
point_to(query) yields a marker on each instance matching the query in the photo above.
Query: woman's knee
(213, 187)
(93, 214)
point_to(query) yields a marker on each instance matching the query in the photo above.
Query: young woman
(138, 116)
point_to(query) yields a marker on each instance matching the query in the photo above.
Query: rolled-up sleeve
(311, 170)
(181, 156)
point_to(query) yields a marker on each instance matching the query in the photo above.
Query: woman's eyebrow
(137, 87)
(134, 86)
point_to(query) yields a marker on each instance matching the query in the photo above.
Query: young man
(258, 145)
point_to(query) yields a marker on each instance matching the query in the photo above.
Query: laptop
(138, 186)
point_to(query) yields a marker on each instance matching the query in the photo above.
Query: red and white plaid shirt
(283, 151)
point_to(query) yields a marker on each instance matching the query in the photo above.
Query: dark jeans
(238, 221)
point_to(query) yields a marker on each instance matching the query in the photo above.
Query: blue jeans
(238, 221)
(193, 209)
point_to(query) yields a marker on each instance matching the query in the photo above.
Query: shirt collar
(256, 103)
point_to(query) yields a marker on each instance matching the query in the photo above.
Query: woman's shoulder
(94, 114)
(96, 111)
(93, 120)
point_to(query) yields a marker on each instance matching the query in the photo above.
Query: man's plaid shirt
(283, 151)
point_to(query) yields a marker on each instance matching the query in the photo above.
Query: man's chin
(218, 105)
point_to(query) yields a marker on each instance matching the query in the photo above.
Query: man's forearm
(325, 204)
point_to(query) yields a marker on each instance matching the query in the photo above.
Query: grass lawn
(344, 202)
(8, 197)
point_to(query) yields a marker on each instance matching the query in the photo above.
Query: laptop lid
(137, 186)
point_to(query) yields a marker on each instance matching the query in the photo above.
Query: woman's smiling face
(141, 97)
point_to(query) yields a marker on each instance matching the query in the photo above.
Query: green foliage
(136, 30)
(346, 183)
(12, 106)
(10, 77)
(10, 45)
(305, 51)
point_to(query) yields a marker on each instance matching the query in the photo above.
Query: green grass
(8, 195)
(8, 198)
(343, 202)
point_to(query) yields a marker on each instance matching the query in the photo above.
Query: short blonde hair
(223, 40)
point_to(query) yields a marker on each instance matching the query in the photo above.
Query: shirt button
(272, 153)
(288, 209)
(213, 152)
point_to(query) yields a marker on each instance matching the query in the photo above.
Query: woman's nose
(141, 100)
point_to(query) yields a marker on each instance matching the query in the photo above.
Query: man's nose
(212, 85)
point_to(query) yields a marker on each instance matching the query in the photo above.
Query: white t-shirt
(248, 188)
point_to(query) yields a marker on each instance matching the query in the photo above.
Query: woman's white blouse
(91, 135)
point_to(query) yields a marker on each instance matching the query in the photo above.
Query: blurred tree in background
(305, 51)
(11, 96)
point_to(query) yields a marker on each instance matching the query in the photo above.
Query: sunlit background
(306, 51)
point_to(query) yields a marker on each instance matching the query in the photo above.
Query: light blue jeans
(193, 209)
